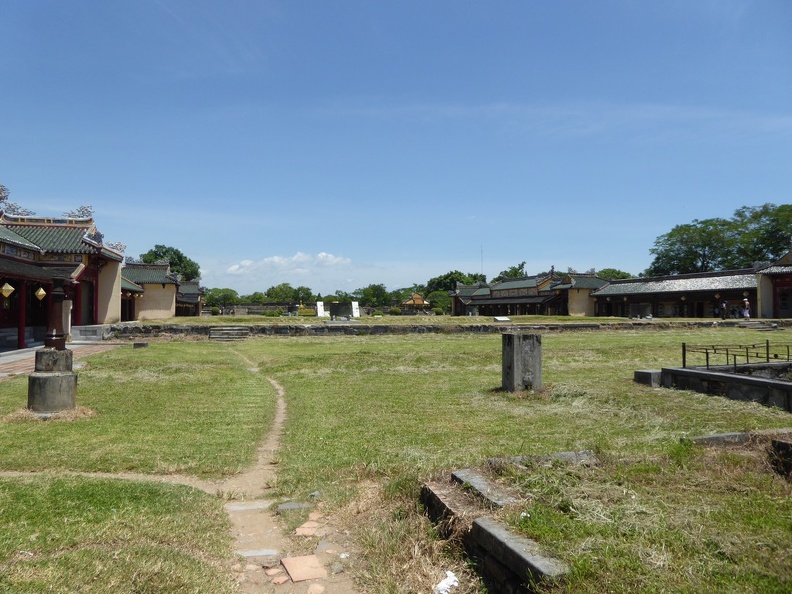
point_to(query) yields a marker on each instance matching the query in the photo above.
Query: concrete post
(521, 362)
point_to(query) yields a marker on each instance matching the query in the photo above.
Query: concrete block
(521, 555)
(490, 492)
(49, 359)
(649, 377)
(52, 392)
(521, 361)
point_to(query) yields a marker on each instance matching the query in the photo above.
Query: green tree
(449, 280)
(613, 274)
(700, 246)
(341, 297)
(759, 234)
(439, 299)
(222, 298)
(375, 296)
(517, 271)
(180, 264)
(256, 297)
(304, 295)
(282, 293)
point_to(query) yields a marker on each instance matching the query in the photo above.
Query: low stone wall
(328, 328)
(769, 392)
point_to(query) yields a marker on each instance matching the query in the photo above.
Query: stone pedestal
(52, 387)
(522, 362)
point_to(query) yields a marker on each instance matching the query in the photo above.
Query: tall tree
(439, 299)
(760, 234)
(516, 271)
(375, 296)
(179, 263)
(304, 295)
(449, 280)
(613, 274)
(221, 297)
(700, 246)
(282, 293)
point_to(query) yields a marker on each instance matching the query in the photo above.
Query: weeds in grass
(371, 418)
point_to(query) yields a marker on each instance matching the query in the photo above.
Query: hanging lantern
(40, 294)
(7, 290)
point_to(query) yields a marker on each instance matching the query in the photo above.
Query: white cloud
(300, 263)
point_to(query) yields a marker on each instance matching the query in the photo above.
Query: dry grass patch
(26, 415)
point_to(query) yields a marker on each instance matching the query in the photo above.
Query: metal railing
(732, 354)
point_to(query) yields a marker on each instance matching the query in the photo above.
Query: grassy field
(369, 419)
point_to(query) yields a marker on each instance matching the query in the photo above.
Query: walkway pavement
(23, 361)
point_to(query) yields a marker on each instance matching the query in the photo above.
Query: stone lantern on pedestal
(52, 387)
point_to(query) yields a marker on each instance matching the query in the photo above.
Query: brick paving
(12, 363)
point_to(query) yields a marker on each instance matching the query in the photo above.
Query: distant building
(551, 294)
(189, 299)
(415, 301)
(159, 289)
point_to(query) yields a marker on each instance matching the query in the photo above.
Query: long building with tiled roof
(552, 294)
(766, 290)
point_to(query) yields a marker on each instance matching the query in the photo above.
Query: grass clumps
(70, 534)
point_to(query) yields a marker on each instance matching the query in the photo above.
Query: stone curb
(508, 562)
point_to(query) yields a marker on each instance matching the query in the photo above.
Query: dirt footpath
(316, 558)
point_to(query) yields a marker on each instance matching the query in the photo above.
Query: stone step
(505, 560)
(229, 333)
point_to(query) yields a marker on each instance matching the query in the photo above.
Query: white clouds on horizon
(300, 263)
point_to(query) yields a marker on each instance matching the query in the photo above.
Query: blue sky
(340, 144)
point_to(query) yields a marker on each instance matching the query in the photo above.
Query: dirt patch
(76, 414)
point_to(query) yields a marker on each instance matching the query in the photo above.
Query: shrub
(270, 314)
(438, 311)
(215, 311)
(394, 311)
(377, 313)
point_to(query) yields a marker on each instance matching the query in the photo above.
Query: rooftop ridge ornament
(85, 211)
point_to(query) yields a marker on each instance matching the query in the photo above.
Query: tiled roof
(128, 285)
(13, 268)
(683, 283)
(56, 236)
(776, 270)
(190, 288)
(516, 283)
(587, 282)
(8, 236)
(148, 274)
(55, 239)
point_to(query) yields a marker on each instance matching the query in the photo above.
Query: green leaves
(754, 234)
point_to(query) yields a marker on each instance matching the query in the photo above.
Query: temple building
(36, 253)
